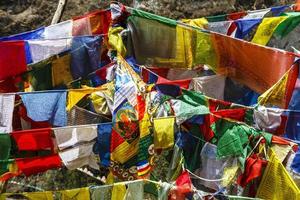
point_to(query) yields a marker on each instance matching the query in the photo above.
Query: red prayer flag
(36, 165)
(216, 104)
(183, 187)
(237, 114)
(12, 59)
(237, 15)
(97, 22)
(253, 170)
(33, 140)
(234, 114)
(160, 71)
(181, 83)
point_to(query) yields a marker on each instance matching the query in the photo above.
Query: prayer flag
(46, 106)
(271, 188)
(163, 132)
(7, 102)
(5, 147)
(118, 192)
(103, 143)
(266, 28)
(33, 140)
(60, 30)
(245, 26)
(76, 194)
(12, 59)
(69, 136)
(251, 64)
(35, 165)
(79, 156)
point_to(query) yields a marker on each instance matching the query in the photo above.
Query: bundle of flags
(118, 88)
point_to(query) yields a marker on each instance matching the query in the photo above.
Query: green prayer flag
(249, 118)
(288, 25)
(229, 144)
(5, 146)
(40, 77)
(193, 98)
(268, 137)
(140, 13)
(217, 18)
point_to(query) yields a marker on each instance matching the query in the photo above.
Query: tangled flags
(224, 110)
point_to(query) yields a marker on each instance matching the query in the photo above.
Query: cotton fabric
(135, 191)
(213, 168)
(101, 192)
(12, 59)
(211, 86)
(7, 102)
(79, 156)
(69, 136)
(254, 70)
(42, 49)
(29, 195)
(81, 116)
(85, 55)
(33, 140)
(60, 30)
(61, 71)
(5, 146)
(257, 14)
(46, 106)
(29, 35)
(103, 143)
(74, 96)
(267, 119)
(219, 27)
(244, 27)
(118, 191)
(271, 188)
(35, 165)
(163, 132)
(76, 194)
(266, 29)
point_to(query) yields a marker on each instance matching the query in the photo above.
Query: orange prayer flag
(256, 66)
(297, 5)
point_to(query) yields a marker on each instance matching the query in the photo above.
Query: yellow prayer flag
(74, 96)
(266, 29)
(100, 104)
(199, 22)
(281, 151)
(110, 179)
(103, 99)
(118, 192)
(184, 50)
(28, 195)
(39, 195)
(76, 194)
(61, 71)
(276, 183)
(204, 52)
(276, 94)
(163, 132)
(229, 175)
(115, 40)
(13, 167)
